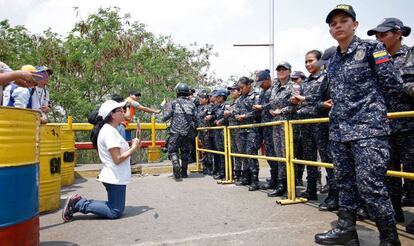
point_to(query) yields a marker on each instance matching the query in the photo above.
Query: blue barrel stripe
(19, 191)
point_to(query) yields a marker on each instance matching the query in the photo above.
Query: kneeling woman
(115, 155)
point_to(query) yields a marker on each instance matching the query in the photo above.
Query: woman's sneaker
(68, 209)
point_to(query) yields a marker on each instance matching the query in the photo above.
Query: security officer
(390, 32)
(281, 109)
(315, 101)
(298, 77)
(182, 130)
(361, 78)
(209, 121)
(247, 138)
(229, 116)
(264, 81)
(308, 132)
(218, 118)
(203, 135)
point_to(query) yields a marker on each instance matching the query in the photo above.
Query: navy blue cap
(44, 68)
(284, 64)
(389, 24)
(297, 74)
(221, 93)
(262, 76)
(211, 94)
(233, 87)
(327, 54)
(345, 8)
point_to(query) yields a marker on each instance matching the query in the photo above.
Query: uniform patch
(381, 57)
(360, 54)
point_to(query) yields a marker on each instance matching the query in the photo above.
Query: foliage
(102, 55)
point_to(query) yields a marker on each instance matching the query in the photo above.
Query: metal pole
(153, 131)
(272, 38)
(70, 121)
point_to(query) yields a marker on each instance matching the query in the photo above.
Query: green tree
(106, 54)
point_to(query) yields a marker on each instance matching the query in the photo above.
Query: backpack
(93, 116)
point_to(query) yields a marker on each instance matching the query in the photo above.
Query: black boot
(408, 200)
(176, 166)
(219, 176)
(270, 183)
(280, 190)
(244, 178)
(237, 176)
(310, 192)
(331, 202)
(344, 232)
(410, 227)
(388, 234)
(396, 204)
(255, 182)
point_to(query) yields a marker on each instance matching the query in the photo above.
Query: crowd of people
(355, 84)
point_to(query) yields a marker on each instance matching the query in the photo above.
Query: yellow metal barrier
(294, 161)
(228, 178)
(154, 152)
(291, 199)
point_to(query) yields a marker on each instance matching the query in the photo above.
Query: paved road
(197, 211)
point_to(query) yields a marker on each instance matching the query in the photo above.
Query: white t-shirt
(40, 98)
(111, 173)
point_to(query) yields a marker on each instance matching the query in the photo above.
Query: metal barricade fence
(294, 161)
(289, 167)
(227, 166)
(289, 158)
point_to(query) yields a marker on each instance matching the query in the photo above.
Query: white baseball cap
(108, 106)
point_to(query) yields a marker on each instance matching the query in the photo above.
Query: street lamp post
(271, 43)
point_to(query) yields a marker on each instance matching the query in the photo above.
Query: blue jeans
(111, 209)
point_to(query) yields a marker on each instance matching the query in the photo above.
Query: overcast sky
(299, 25)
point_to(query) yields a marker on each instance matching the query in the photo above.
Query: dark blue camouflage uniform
(402, 130)
(210, 143)
(267, 132)
(280, 99)
(178, 143)
(323, 129)
(247, 137)
(359, 128)
(231, 121)
(314, 137)
(218, 115)
(207, 159)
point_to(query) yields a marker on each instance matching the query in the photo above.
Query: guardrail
(289, 153)
(153, 127)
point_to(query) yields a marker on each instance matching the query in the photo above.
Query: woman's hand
(327, 104)
(275, 112)
(297, 99)
(135, 143)
(240, 117)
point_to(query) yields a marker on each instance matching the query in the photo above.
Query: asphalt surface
(196, 211)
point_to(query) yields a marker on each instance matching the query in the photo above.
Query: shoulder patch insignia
(381, 57)
(360, 54)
